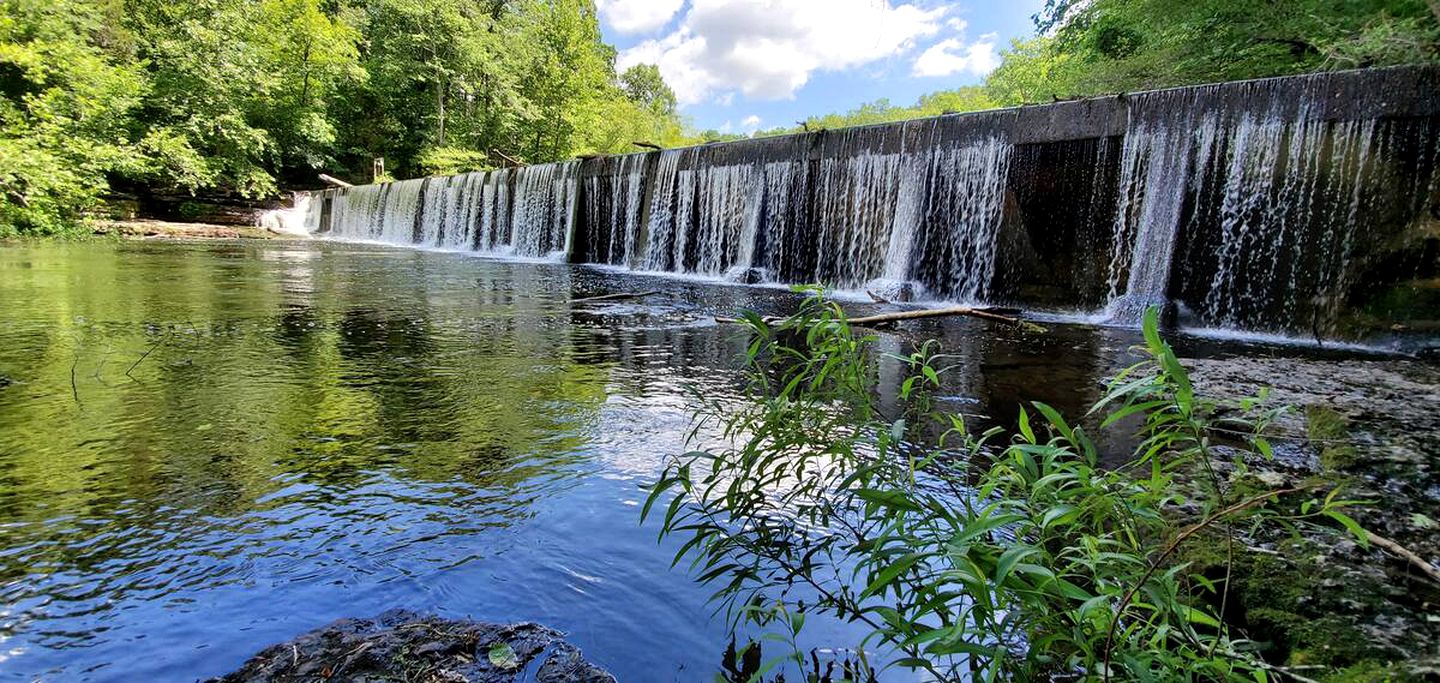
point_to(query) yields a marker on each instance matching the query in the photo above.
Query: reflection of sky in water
(326, 430)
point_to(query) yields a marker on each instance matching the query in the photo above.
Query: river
(207, 447)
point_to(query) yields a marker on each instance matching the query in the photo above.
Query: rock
(893, 291)
(747, 276)
(403, 645)
(566, 665)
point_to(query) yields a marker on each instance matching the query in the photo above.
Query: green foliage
(1032, 71)
(244, 96)
(977, 555)
(644, 85)
(1109, 46)
(959, 100)
(64, 103)
(1138, 44)
(452, 160)
(1330, 432)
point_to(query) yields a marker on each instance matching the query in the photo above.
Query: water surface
(209, 447)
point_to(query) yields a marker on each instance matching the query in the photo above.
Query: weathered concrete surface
(404, 645)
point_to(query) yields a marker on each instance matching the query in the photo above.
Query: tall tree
(68, 85)
(644, 85)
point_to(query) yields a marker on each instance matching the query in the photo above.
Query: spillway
(1305, 205)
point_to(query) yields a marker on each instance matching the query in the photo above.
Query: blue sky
(740, 65)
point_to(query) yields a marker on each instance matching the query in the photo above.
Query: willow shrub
(987, 556)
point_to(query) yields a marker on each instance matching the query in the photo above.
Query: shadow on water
(206, 448)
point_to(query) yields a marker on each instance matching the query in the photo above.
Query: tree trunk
(440, 106)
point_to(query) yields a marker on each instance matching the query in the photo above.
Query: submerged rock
(1368, 427)
(403, 645)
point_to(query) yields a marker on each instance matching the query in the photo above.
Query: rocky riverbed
(1370, 427)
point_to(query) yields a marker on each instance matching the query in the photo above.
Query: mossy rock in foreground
(1307, 609)
(404, 646)
(1330, 432)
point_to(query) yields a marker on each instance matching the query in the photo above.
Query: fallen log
(334, 181)
(897, 316)
(883, 318)
(614, 297)
(647, 145)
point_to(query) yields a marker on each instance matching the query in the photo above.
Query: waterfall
(542, 210)
(1247, 202)
(1155, 179)
(966, 209)
(859, 191)
(660, 246)
(1271, 206)
(617, 200)
(296, 220)
(526, 212)
(432, 213)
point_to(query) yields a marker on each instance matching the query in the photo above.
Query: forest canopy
(248, 96)
(245, 97)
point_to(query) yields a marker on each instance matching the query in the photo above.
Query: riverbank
(1368, 427)
(157, 228)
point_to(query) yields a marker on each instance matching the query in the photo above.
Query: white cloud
(953, 55)
(638, 16)
(751, 123)
(768, 49)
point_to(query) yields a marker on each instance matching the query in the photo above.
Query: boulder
(403, 645)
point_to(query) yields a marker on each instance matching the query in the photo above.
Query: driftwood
(933, 313)
(334, 181)
(615, 297)
(1405, 554)
(647, 145)
(882, 318)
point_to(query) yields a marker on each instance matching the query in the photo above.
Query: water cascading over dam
(1302, 205)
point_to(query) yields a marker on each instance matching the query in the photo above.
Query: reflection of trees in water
(349, 402)
(253, 386)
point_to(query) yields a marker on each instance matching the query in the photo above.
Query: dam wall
(1304, 206)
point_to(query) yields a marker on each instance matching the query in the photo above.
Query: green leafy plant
(971, 556)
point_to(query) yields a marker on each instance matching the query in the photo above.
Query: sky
(742, 65)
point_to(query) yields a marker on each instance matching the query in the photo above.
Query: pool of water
(209, 447)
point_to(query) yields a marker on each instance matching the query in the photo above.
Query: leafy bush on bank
(988, 556)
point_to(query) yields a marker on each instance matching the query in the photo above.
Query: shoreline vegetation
(1020, 555)
(242, 98)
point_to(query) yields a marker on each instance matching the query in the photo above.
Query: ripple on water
(209, 447)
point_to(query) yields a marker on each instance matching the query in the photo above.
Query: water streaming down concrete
(524, 212)
(1303, 205)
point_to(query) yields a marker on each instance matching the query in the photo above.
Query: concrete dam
(1304, 206)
